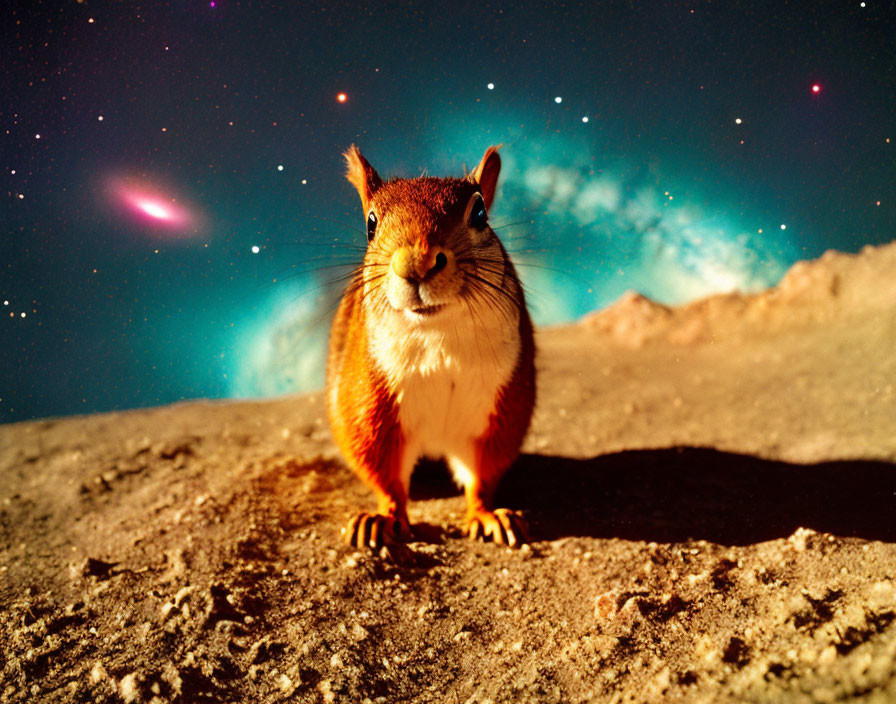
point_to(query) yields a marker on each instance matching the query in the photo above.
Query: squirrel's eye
(371, 226)
(478, 216)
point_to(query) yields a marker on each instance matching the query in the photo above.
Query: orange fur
(363, 414)
(499, 446)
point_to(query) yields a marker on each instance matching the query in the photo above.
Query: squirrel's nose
(415, 266)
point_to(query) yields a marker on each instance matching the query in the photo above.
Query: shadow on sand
(685, 493)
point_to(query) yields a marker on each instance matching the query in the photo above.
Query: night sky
(176, 220)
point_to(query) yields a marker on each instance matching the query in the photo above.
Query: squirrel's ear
(486, 174)
(362, 175)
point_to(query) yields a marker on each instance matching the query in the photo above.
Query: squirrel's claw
(374, 530)
(502, 526)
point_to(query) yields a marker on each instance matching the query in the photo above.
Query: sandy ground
(711, 492)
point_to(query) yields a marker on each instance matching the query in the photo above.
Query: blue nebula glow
(619, 229)
(281, 347)
(582, 233)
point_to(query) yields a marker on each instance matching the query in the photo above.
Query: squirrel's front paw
(373, 530)
(502, 526)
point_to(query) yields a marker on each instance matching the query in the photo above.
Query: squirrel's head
(429, 244)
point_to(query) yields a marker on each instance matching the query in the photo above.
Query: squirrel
(431, 350)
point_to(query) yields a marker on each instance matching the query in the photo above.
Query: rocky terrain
(711, 493)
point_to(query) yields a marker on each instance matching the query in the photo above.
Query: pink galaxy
(150, 205)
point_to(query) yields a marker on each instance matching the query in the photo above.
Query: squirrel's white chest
(446, 377)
